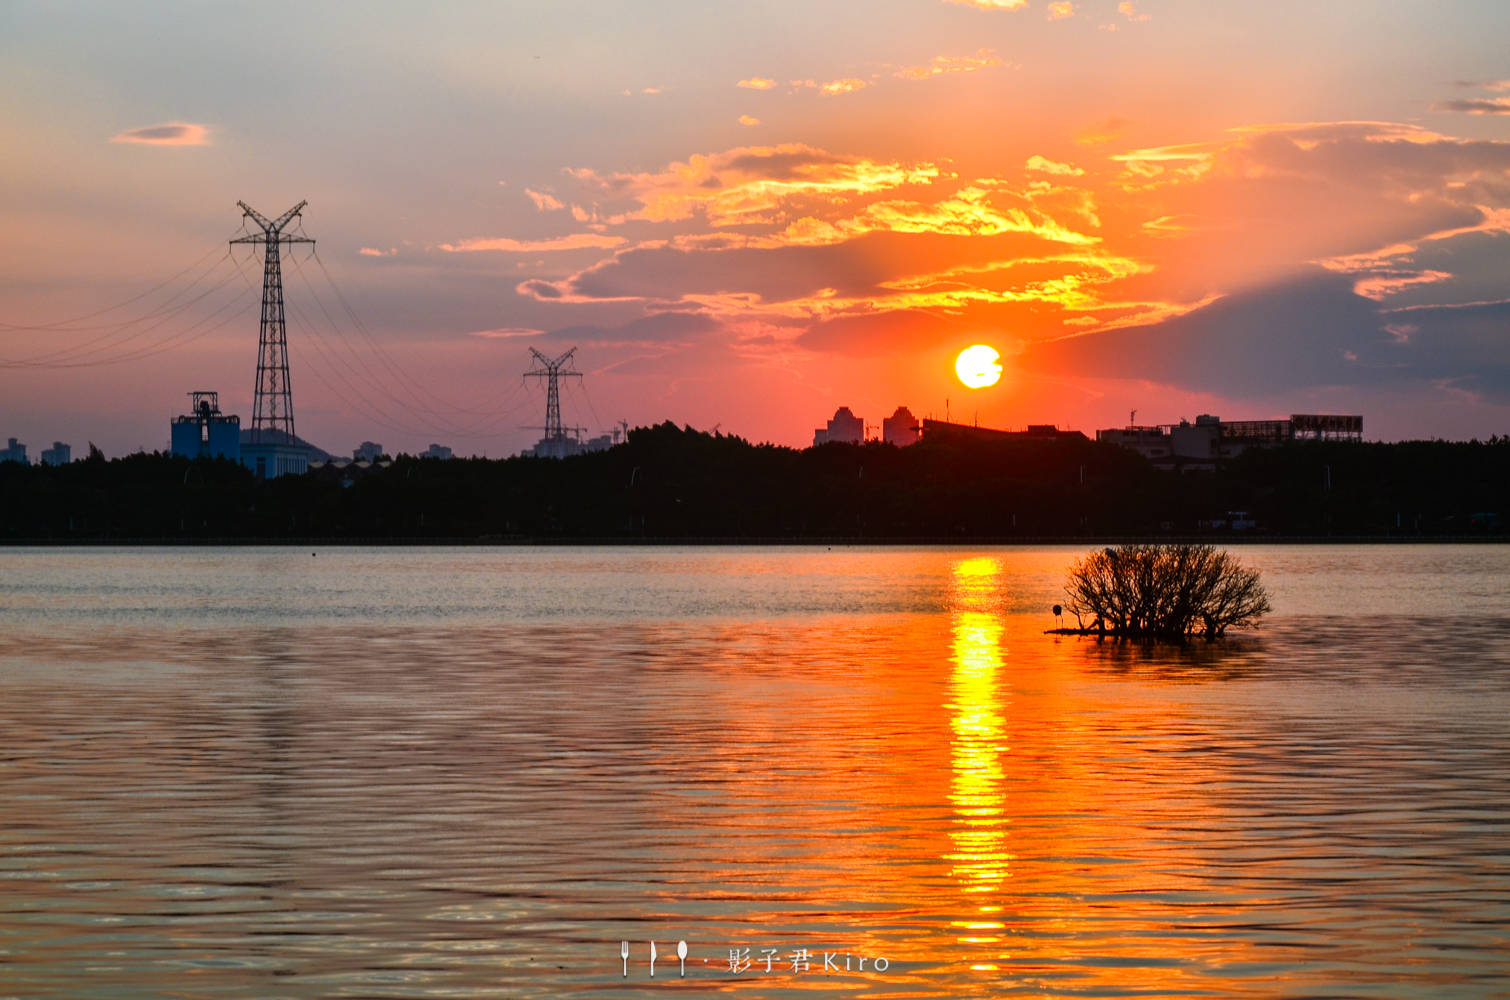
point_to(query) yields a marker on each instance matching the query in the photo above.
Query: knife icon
(652, 960)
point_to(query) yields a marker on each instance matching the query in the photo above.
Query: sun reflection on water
(980, 860)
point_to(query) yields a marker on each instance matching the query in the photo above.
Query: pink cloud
(991, 4)
(544, 202)
(576, 241)
(167, 134)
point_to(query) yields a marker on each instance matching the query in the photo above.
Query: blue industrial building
(205, 432)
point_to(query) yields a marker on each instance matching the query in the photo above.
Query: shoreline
(753, 542)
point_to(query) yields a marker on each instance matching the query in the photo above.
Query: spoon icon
(681, 954)
(624, 954)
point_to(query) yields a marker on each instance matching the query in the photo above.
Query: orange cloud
(167, 134)
(752, 184)
(748, 120)
(1061, 9)
(1126, 9)
(970, 212)
(944, 65)
(848, 85)
(544, 202)
(991, 4)
(1047, 166)
(375, 252)
(1102, 132)
(757, 83)
(576, 241)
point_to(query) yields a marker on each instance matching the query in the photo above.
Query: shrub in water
(1164, 591)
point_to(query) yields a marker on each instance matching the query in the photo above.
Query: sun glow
(976, 366)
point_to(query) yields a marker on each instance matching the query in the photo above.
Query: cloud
(1477, 106)
(750, 184)
(1494, 85)
(946, 65)
(507, 333)
(1277, 338)
(974, 210)
(748, 120)
(168, 134)
(544, 202)
(1177, 244)
(576, 241)
(848, 85)
(1102, 132)
(1170, 225)
(1060, 9)
(1311, 331)
(375, 252)
(658, 328)
(1129, 11)
(992, 4)
(757, 83)
(1047, 166)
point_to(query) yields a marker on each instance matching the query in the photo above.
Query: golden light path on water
(980, 859)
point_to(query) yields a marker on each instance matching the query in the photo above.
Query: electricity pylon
(552, 371)
(273, 403)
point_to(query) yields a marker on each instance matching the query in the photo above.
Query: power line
(67, 324)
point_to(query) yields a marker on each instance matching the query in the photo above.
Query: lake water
(475, 772)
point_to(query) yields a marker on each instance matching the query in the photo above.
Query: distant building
(565, 445)
(58, 454)
(845, 427)
(270, 453)
(436, 451)
(933, 429)
(1201, 445)
(901, 428)
(369, 451)
(205, 432)
(15, 451)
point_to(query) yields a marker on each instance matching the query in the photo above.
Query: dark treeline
(676, 483)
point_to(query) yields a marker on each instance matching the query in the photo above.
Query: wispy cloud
(507, 333)
(1494, 85)
(544, 202)
(1477, 106)
(167, 134)
(375, 252)
(1102, 132)
(757, 83)
(1046, 166)
(1131, 12)
(945, 65)
(576, 241)
(992, 4)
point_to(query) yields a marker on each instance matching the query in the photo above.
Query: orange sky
(745, 218)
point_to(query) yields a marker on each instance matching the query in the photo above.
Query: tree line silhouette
(675, 483)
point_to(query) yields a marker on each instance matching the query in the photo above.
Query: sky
(744, 216)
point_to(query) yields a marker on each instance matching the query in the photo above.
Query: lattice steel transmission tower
(552, 370)
(273, 404)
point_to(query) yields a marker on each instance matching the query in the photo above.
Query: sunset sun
(976, 366)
